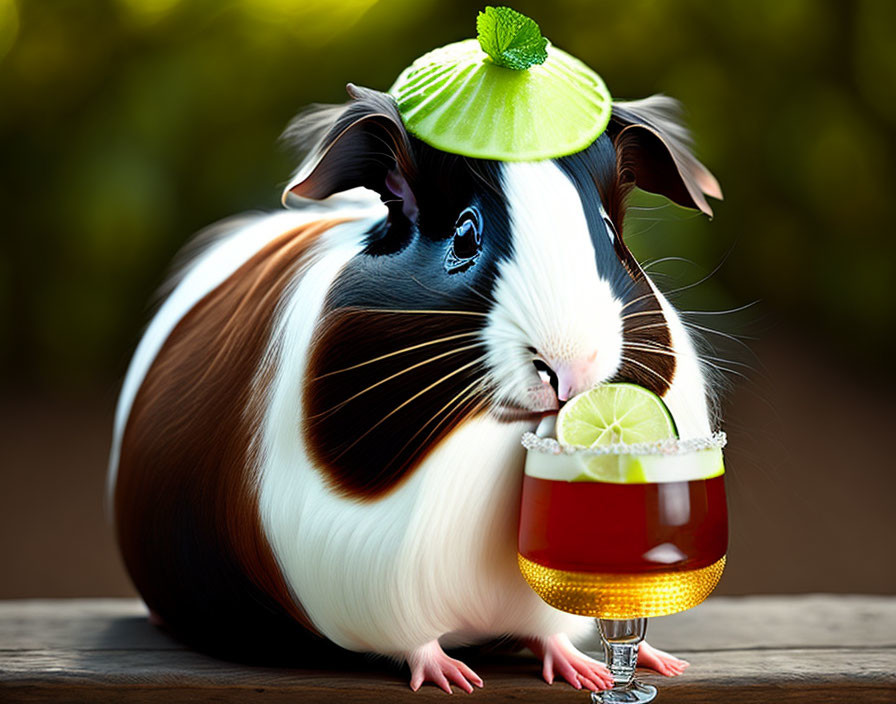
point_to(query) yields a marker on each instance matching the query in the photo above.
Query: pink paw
(661, 661)
(429, 663)
(561, 658)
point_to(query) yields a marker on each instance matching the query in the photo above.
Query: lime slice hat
(508, 95)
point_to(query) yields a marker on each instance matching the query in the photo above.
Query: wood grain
(755, 649)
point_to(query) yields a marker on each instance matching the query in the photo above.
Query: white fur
(435, 558)
(550, 295)
(208, 271)
(686, 397)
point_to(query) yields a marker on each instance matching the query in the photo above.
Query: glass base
(634, 691)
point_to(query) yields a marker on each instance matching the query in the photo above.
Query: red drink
(623, 528)
(621, 535)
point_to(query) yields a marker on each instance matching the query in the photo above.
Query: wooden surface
(814, 649)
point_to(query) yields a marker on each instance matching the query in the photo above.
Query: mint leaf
(511, 39)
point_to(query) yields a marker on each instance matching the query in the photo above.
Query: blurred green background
(126, 125)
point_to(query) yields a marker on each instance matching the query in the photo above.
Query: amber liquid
(623, 528)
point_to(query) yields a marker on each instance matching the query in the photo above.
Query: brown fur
(186, 500)
(397, 408)
(649, 359)
(647, 346)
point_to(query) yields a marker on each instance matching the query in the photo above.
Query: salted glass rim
(669, 446)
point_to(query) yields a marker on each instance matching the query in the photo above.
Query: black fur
(383, 386)
(370, 442)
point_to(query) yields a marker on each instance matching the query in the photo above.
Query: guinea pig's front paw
(561, 657)
(659, 660)
(429, 663)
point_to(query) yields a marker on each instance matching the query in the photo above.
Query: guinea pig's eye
(466, 243)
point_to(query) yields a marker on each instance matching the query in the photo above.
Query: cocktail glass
(622, 533)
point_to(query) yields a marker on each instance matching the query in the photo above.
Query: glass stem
(621, 639)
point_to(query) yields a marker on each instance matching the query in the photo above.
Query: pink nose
(575, 376)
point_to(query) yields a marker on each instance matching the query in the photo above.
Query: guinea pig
(318, 438)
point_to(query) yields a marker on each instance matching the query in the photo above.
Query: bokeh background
(126, 125)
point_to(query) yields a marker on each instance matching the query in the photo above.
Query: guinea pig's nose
(571, 377)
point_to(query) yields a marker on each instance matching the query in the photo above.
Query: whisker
(632, 232)
(464, 406)
(669, 352)
(689, 286)
(726, 370)
(405, 403)
(389, 147)
(472, 290)
(760, 367)
(705, 278)
(648, 208)
(646, 265)
(639, 298)
(339, 405)
(474, 169)
(652, 311)
(719, 312)
(734, 338)
(739, 339)
(401, 351)
(652, 350)
(707, 359)
(646, 327)
(416, 311)
(646, 368)
(467, 392)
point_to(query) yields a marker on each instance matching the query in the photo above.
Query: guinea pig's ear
(360, 143)
(654, 151)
